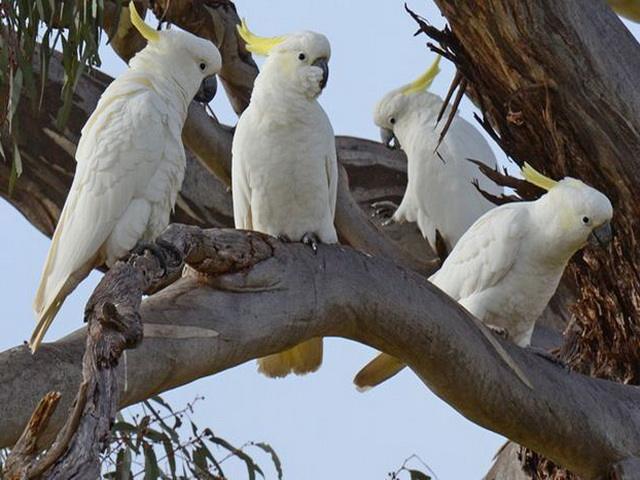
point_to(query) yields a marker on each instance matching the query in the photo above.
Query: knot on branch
(216, 252)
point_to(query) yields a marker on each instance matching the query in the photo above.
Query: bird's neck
(172, 89)
(285, 104)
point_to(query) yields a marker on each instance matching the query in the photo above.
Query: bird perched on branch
(284, 166)
(440, 194)
(130, 162)
(629, 9)
(506, 267)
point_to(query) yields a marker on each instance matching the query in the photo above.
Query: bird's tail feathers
(301, 359)
(378, 370)
(56, 283)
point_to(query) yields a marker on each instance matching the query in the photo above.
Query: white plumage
(284, 171)
(506, 267)
(130, 165)
(440, 194)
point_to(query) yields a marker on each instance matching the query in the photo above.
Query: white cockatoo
(440, 195)
(130, 162)
(629, 9)
(506, 267)
(284, 167)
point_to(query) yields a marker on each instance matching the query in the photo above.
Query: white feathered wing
(127, 177)
(481, 259)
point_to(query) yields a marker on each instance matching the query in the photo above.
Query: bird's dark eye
(302, 56)
(392, 121)
(203, 66)
(586, 220)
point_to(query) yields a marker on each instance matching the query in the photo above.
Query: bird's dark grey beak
(389, 139)
(207, 90)
(323, 64)
(601, 236)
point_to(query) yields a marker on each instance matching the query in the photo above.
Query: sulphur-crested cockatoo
(284, 169)
(629, 9)
(507, 266)
(440, 194)
(130, 162)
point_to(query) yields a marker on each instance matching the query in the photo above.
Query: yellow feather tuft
(534, 177)
(145, 30)
(255, 44)
(424, 81)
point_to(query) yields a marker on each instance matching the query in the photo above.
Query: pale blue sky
(320, 426)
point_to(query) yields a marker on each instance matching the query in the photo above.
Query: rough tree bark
(557, 81)
(215, 320)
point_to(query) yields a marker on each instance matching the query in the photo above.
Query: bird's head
(574, 213)
(299, 61)
(190, 61)
(396, 105)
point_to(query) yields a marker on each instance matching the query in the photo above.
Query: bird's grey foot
(154, 249)
(384, 209)
(550, 357)
(172, 253)
(499, 331)
(312, 240)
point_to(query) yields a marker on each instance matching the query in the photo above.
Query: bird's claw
(155, 250)
(384, 209)
(312, 240)
(499, 331)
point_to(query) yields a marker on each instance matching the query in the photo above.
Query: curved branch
(209, 321)
(568, 72)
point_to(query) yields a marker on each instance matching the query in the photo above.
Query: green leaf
(170, 431)
(155, 436)
(16, 168)
(252, 468)
(123, 465)
(15, 88)
(151, 469)
(200, 455)
(171, 457)
(274, 456)
(123, 426)
(418, 475)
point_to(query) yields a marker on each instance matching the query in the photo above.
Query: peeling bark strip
(254, 292)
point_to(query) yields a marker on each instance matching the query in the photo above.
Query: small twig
(454, 110)
(64, 438)
(452, 88)
(524, 189)
(19, 460)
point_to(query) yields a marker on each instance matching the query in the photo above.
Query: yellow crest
(423, 81)
(534, 177)
(256, 44)
(145, 30)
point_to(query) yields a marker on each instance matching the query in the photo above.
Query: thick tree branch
(209, 321)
